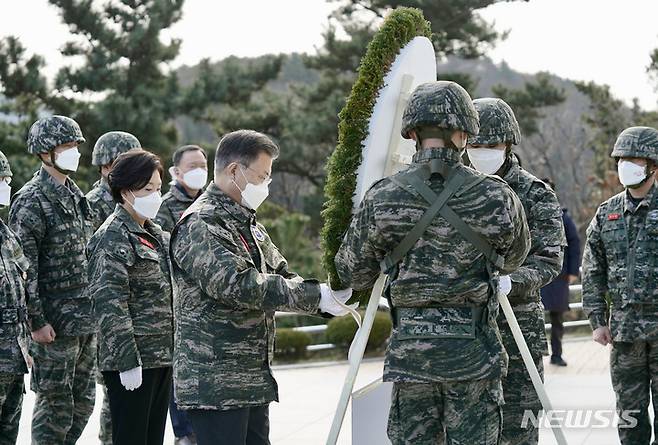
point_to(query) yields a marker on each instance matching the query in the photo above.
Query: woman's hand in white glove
(131, 379)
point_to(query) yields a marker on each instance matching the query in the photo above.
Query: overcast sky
(608, 41)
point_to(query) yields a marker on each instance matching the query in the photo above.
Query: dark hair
(132, 170)
(180, 151)
(243, 147)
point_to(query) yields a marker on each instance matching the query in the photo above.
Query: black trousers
(139, 416)
(242, 426)
(557, 331)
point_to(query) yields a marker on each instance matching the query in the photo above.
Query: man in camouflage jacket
(620, 276)
(53, 221)
(499, 131)
(13, 317)
(230, 279)
(445, 356)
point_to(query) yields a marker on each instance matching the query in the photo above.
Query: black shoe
(558, 361)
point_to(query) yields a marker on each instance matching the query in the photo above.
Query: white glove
(504, 285)
(132, 378)
(333, 301)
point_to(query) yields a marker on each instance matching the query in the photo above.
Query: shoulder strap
(437, 202)
(438, 206)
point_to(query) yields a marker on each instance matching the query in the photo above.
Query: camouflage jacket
(13, 312)
(53, 223)
(101, 202)
(230, 278)
(130, 282)
(620, 264)
(543, 264)
(442, 271)
(174, 203)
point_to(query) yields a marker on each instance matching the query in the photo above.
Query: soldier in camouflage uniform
(230, 279)
(129, 274)
(53, 222)
(13, 318)
(107, 148)
(620, 273)
(445, 356)
(492, 147)
(190, 170)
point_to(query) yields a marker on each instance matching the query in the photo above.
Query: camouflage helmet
(50, 132)
(112, 144)
(5, 170)
(497, 123)
(442, 104)
(637, 142)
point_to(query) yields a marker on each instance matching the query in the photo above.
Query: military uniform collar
(449, 155)
(513, 172)
(54, 190)
(237, 210)
(133, 226)
(651, 198)
(179, 193)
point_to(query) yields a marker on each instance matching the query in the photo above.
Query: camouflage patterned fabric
(543, 264)
(112, 144)
(230, 278)
(443, 270)
(423, 414)
(633, 368)
(621, 263)
(5, 169)
(11, 401)
(174, 203)
(637, 142)
(50, 132)
(13, 333)
(63, 380)
(101, 202)
(497, 123)
(130, 280)
(440, 104)
(53, 223)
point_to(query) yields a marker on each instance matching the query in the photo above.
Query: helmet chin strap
(54, 165)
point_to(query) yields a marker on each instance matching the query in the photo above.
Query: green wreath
(400, 27)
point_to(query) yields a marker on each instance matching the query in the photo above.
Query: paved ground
(309, 396)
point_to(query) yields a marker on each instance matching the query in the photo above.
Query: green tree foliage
(528, 102)
(120, 76)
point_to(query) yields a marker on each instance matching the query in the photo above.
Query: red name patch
(614, 216)
(146, 242)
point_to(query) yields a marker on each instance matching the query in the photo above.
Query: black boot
(556, 360)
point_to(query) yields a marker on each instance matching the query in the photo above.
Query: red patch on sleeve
(146, 242)
(614, 216)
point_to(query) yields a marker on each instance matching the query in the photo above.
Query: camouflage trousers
(520, 395)
(11, 402)
(634, 372)
(459, 413)
(105, 432)
(63, 380)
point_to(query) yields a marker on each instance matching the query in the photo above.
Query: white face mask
(254, 195)
(5, 193)
(196, 179)
(486, 160)
(147, 206)
(68, 160)
(631, 174)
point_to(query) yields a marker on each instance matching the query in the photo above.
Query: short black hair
(243, 147)
(180, 151)
(132, 170)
